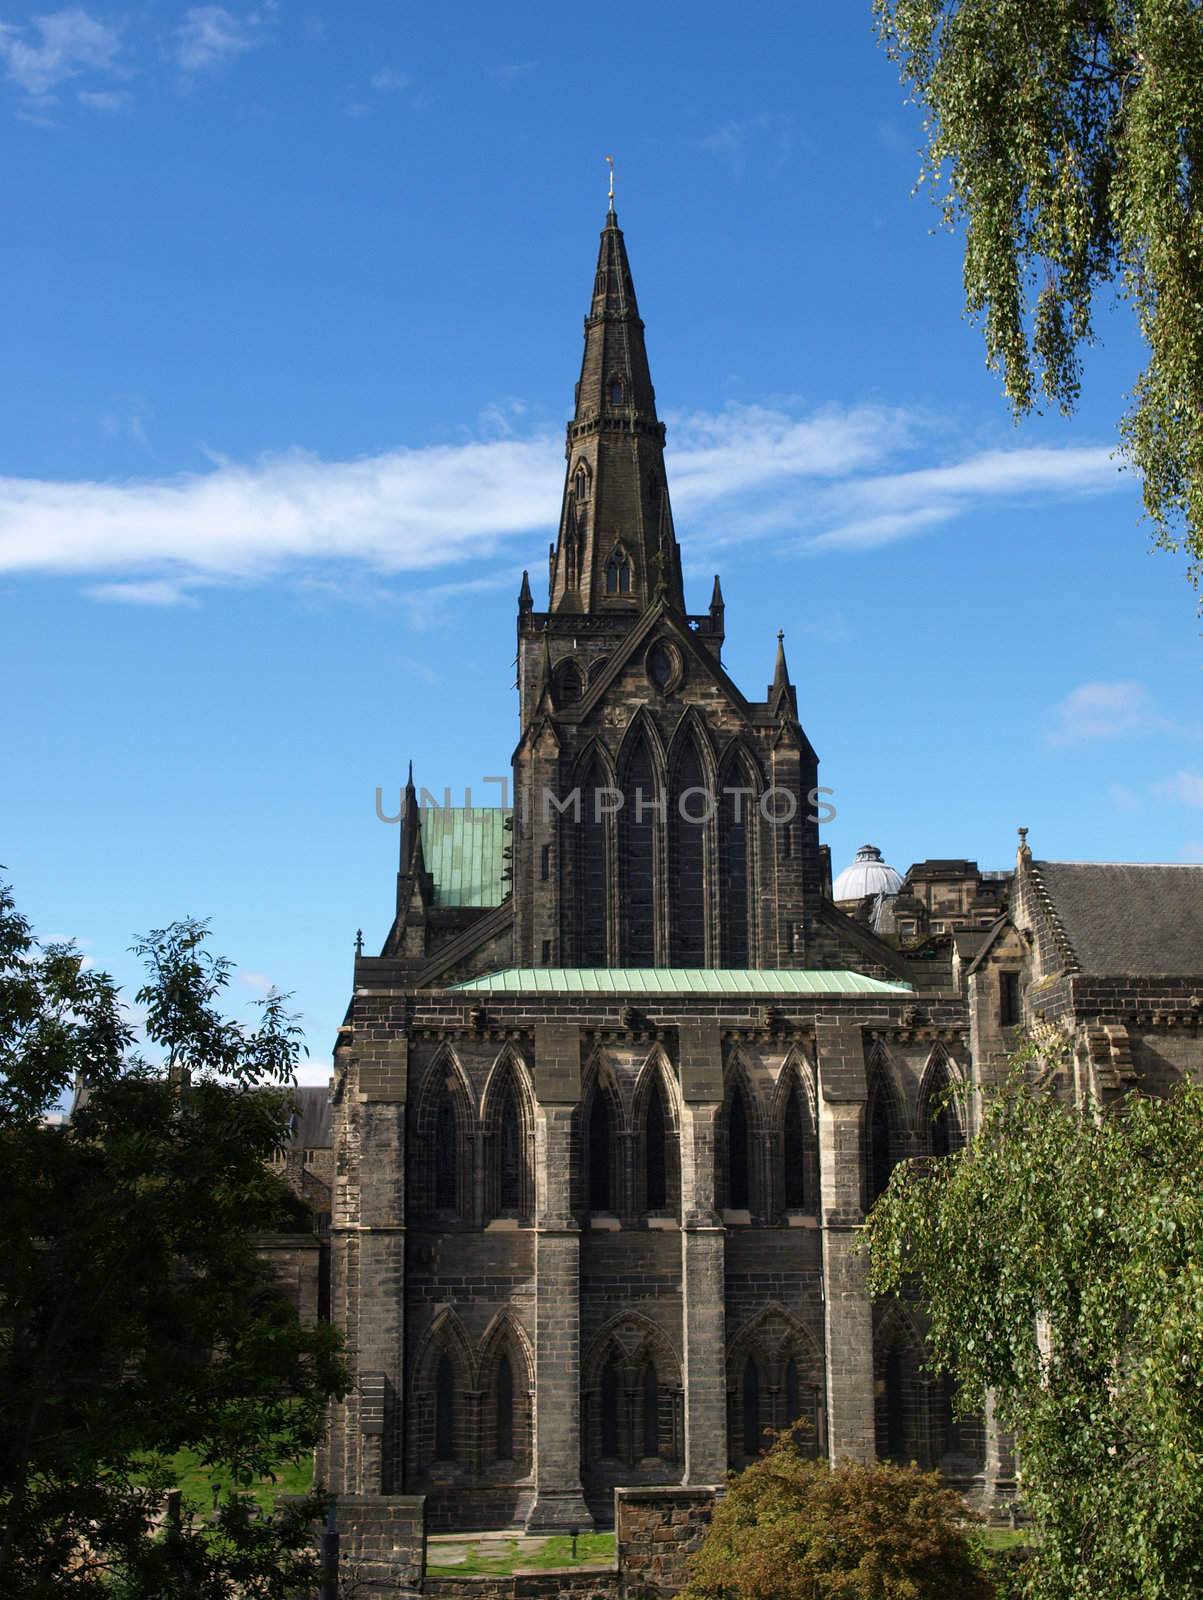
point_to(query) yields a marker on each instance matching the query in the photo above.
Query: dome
(868, 874)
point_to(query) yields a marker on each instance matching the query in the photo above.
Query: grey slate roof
(1125, 918)
(312, 1128)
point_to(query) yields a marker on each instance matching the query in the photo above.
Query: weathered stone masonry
(612, 1102)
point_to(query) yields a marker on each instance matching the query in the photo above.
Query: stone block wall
(658, 1531)
(383, 1544)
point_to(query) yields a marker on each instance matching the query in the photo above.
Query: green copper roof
(463, 847)
(677, 980)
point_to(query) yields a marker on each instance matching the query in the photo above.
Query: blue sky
(294, 301)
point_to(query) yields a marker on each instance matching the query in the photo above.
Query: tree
(136, 1319)
(1068, 136)
(793, 1528)
(1060, 1260)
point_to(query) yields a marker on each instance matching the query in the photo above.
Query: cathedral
(610, 1105)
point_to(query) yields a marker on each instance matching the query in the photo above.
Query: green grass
(592, 1549)
(196, 1480)
(1004, 1538)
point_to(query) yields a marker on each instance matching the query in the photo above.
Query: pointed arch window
(938, 1120)
(444, 1410)
(618, 573)
(446, 1155)
(510, 1155)
(880, 1142)
(609, 1410)
(736, 801)
(589, 860)
(651, 1411)
(656, 1136)
(794, 1152)
(895, 1406)
(503, 1397)
(793, 1393)
(580, 483)
(752, 1431)
(738, 1176)
(642, 805)
(600, 1145)
(688, 817)
(616, 391)
(570, 684)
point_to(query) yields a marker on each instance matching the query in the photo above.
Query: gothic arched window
(881, 1142)
(655, 1154)
(600, 1134)
(738, 1185)
(615, 391)
(609, 1410)
(637, 818)
(503, 1396)
(794, 1152)
(581, 483)
(444, 1410)
(752, 1440)
(651, 1411)
(736, 802)
(570, 684)
(937, 1116)
(446, 1156)
(687, 854)
(895, 1407)
(590, 868)
(509, 1188)
(793, 1393)
(618, 574)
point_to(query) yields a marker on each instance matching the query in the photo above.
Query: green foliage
(1068, 136)
(1060, 1260)
(791, 1528)
(136, 1319)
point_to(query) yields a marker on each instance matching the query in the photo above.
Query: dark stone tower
(662, 819)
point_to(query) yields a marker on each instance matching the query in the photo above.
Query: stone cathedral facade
(610, 1105)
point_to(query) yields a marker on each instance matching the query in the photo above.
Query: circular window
(663, 666)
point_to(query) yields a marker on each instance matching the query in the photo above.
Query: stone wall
(658, 1530)
(382, 1545)
(590, 1583)
(657, 1533)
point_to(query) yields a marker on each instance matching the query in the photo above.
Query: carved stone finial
(359, 941)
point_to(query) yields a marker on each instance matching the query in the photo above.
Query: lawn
(196, 1480)
(592, 1549)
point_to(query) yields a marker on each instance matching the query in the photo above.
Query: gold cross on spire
(610, 164)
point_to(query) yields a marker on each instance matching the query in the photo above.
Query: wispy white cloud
(211, 35)
(105, 99)
(52, 49)
(830, 481)
(389, 81)
(1111, 710)
(147, 592)
(892, 506)
(767, 137)
(1184, 789)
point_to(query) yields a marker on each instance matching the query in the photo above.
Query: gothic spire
(411, 828)
(783, 698)
(780, 670)
(616, 529)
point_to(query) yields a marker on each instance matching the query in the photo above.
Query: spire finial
(610, 164)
